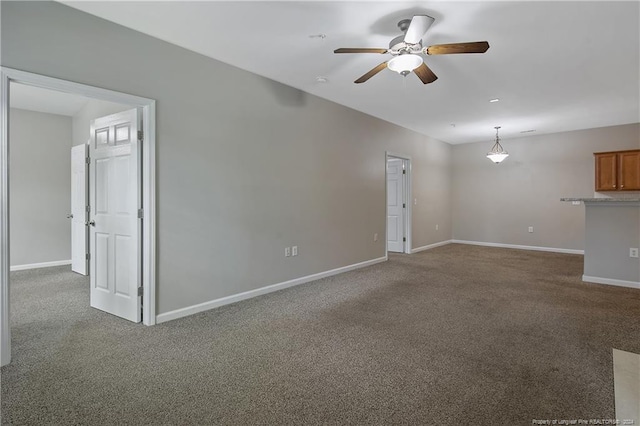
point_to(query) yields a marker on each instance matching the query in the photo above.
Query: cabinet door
(629, 171)
(606, 172)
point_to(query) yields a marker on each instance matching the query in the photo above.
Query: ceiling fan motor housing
(398, 46)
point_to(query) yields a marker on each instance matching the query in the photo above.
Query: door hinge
(140, 291)
(88, 160)
(88, 209)
(404, 239)
(404, 172)
(140, 135)
(140, 213)
(87, 256)
(404, 206)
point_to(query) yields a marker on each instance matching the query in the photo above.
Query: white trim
(9, 75)
(40, 265)
(5, 330)
(201, 307)
(149, 208)
(398, 155)
(611, 281)
(430, 246)
(519, 247)
(408, 197)
(44, 82)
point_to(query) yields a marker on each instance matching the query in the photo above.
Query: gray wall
(246, 166)
(497, 203)
(93, 109)
(40, 187)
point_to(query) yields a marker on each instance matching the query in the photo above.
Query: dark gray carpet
(457, 335)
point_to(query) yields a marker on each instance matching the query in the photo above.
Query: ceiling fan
(406, 50)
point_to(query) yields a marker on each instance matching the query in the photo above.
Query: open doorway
(398, 190)
(126, 135)
(48, 181)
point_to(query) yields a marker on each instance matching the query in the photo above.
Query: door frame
(148, 267)
(85, 188)
(406, 194)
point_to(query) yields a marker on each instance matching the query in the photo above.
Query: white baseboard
(519, 247)
(611, 281)
(201, 307)
(39, 265)
(430, 246)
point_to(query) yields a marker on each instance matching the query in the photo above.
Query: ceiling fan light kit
(497, 153)
(404, 64)
(406, 49)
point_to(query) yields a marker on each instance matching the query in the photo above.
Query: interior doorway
(398, 190)
(145, 210)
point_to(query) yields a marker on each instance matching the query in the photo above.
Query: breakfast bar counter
(612, 238)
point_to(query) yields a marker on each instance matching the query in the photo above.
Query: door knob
(92, 223)
(69, 216)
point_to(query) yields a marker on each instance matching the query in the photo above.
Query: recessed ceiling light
(321, 79)
(528, 131)
(494, 100)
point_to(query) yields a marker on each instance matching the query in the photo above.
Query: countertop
(604, 200)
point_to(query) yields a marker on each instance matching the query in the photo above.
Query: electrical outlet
(375, 237)
(437, 227)
(294, 251)
(530, 229)
(415, 201)
(633, 252)
(575, 203)
(287, 251)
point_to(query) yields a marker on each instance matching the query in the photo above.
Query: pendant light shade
(497, 153)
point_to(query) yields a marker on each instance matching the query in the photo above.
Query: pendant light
(497, 153)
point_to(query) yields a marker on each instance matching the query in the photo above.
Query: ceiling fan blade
(425, 74)
(446, 49)
(419, 25)
(360, 50)
(371, 73)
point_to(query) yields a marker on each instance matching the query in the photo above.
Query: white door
(114, 231)
(79, 209)
(395, 206)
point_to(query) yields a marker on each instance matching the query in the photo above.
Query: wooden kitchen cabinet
(618, 171)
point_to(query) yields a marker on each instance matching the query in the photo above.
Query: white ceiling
(45, 100)
(555, 66)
